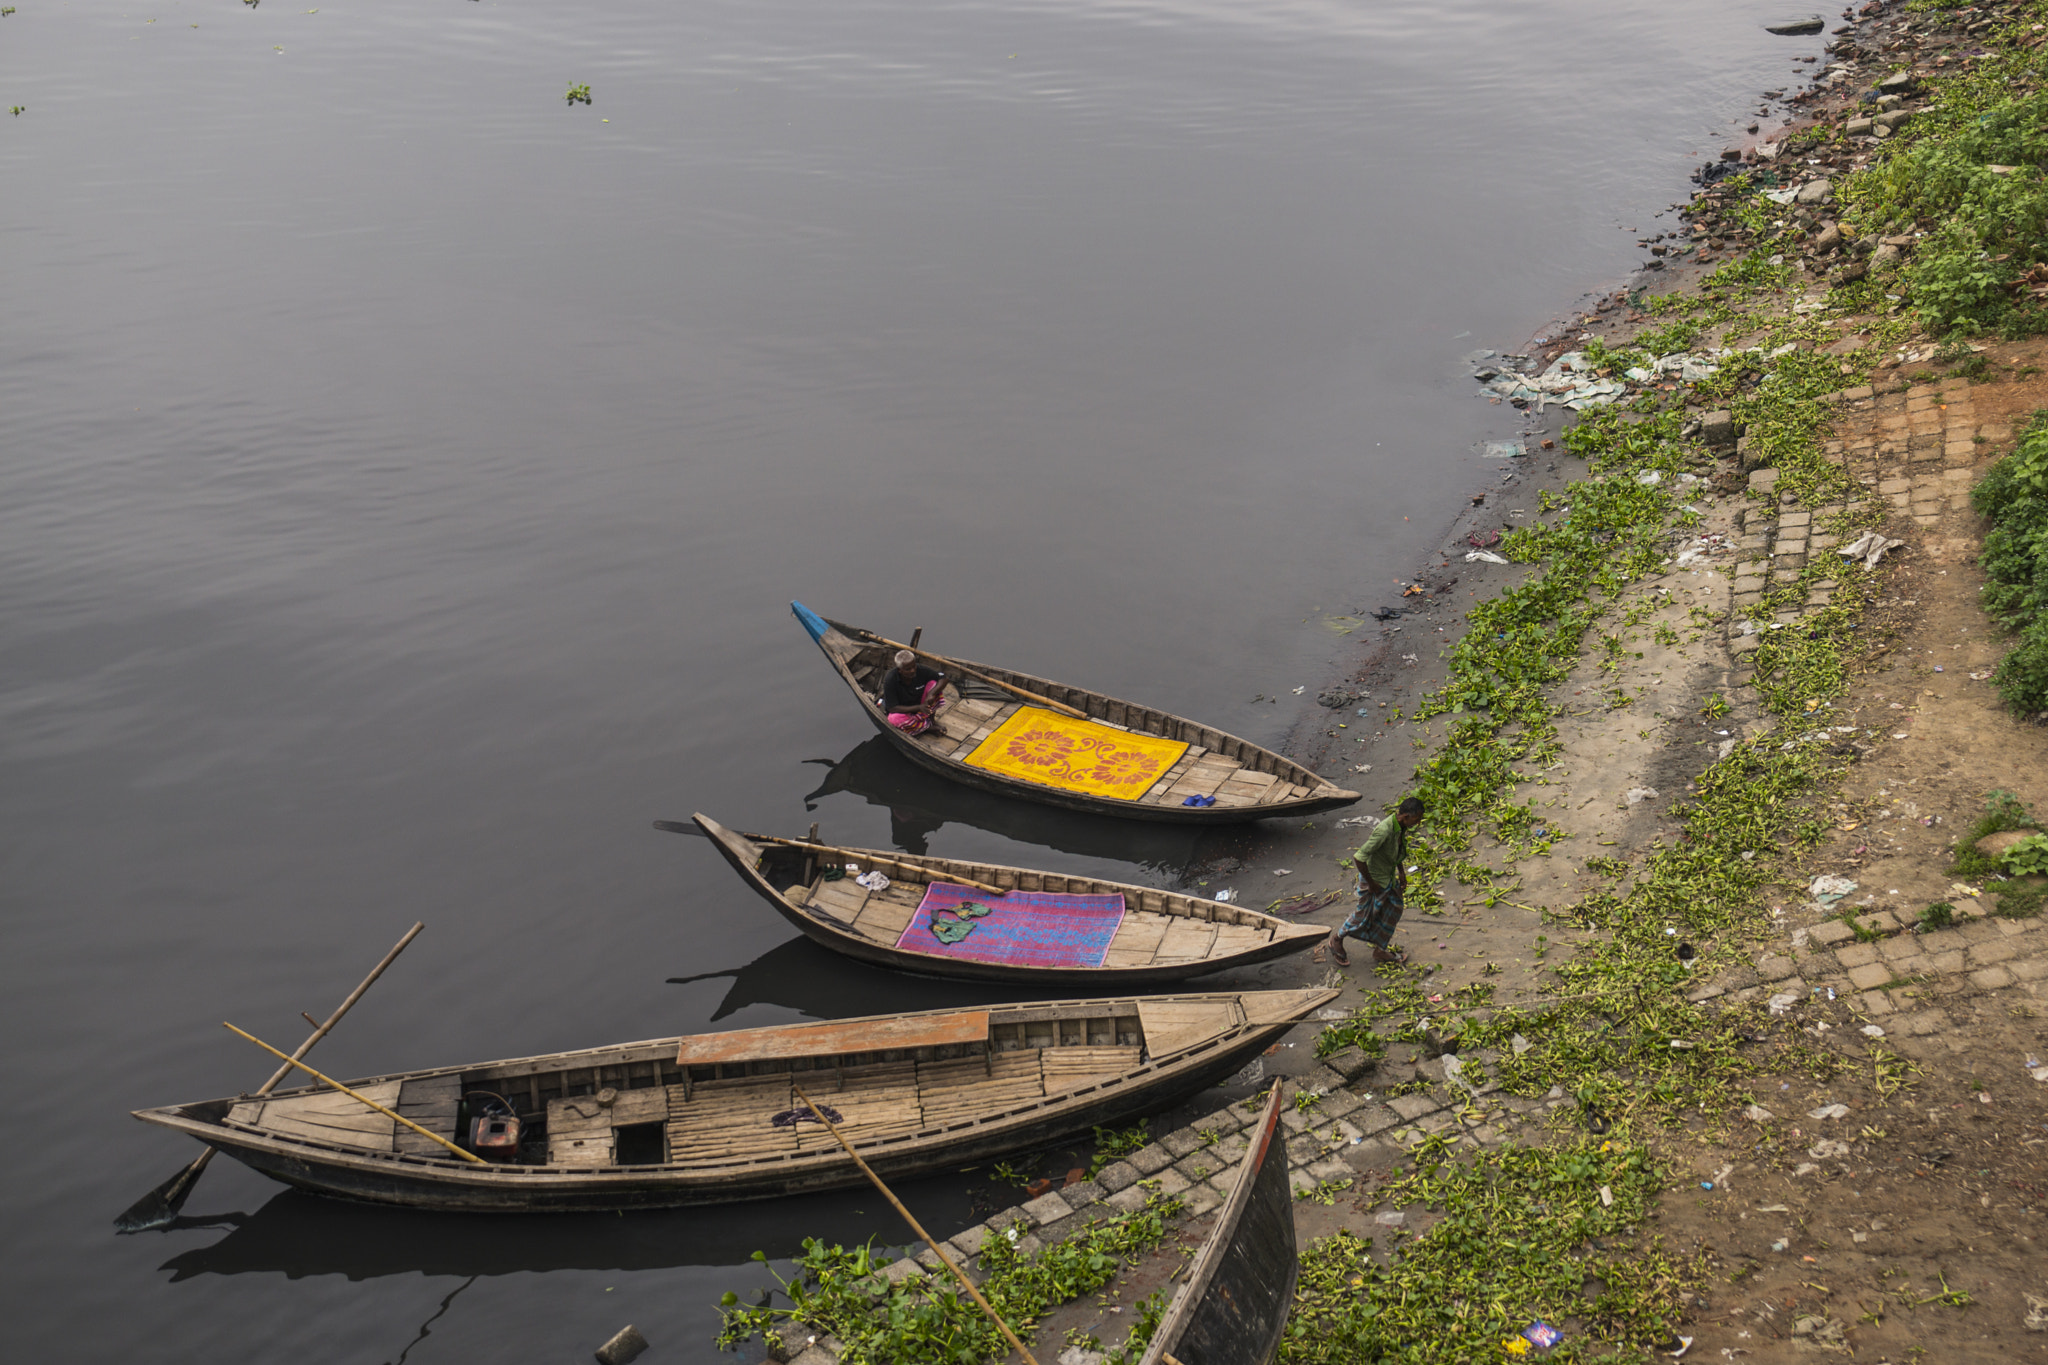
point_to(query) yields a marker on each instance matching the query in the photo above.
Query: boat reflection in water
(921, 803)
(300, 1235)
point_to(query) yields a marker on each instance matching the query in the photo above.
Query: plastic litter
(1569, 382)
(1684, 1345)
(1756, 1113)
(1783, 1001)
(873, 881)
(1869, 547)
(1502, 450)
(1485, 556)
(1638, 795)
(1226, 895)
(1542, 1335)
(1706, 1184)
(1828, 1149)
(1829, 1111)
(1606, 1197)
(1829, 889)
(1872, 1031)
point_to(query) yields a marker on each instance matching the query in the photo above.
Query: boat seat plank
(884, 920)
(1171, 1025)
(1186, 939)
(813, 1040)
(429, 1101)
(840, 901)
(1141, 931)
(326, 1116)
(1067, 1067)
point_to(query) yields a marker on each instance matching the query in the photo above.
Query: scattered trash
(1783, 1001)
(1521, 1045)
(1706, 1184)
(1542, 1335)
(1814, 1330)
(1872, 1031)
(1778, 1245)
(1358, 819)
(1772, 1208)
(1226, 895)
(1486, 556)
(1569, 382)
(1756, 1113)
(1830, 888)
(1483, 540)
(1502, 450)
(1638, 795)
(1828, 1149)
(1283, 872)
(1829, 1111)
(873, 881)
(1869, 547)
(1606, 1197)
(1299, 690)
(1199, 801)
(1684, 1345)
(2036, 1319)
(1390, 1218)
(627, 1345)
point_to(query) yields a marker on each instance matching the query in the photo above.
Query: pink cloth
(909, 722)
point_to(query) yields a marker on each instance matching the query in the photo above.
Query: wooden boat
(714, 1118)
(1233, 1308)
(1122, 759)
(1154, 936)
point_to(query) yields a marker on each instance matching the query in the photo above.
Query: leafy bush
(2028, 856)
(2014, 497)
(1939, 915)
(2002, 811)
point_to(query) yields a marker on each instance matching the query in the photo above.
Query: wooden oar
(357, 1096)
(1011, 688)
(160, 1206)
(678, 827)
(918, 1228)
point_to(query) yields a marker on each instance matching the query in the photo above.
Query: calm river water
(404, 474)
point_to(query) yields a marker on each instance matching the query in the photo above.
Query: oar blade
(160, 1207)
(678, 827)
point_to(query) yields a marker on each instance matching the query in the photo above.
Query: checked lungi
(912, 723)
(1376, 917)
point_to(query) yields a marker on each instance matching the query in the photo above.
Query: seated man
(912, 695)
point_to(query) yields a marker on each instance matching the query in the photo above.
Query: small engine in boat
(493, 1126)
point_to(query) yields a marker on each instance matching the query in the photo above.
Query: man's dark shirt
(901, 695)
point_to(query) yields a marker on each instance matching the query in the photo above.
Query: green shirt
(1379, 858)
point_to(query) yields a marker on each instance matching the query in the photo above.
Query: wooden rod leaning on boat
(1011, 688)
(875, 858)
(364, 1099)
(917, 1228)
(161, 1204)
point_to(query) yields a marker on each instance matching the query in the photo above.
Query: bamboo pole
(364, 1099)
(1011, 688)
(161, 1204)
(918, 1228)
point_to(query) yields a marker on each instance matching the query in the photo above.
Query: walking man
(1382, 881)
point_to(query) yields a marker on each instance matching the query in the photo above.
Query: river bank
(1643, 739)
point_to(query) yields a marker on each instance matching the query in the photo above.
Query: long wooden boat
(714, 1118)
(1233, 1308)
(1123, 759)
(1132, 936)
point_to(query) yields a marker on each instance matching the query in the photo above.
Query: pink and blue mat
(1022, 929)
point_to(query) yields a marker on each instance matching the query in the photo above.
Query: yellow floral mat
(1042, 746)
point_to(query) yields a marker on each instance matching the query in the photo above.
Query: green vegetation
(922, 1321)
(579, 94)
(1517, 1242)
(2013, 496)
(2002, 811)
(1939, 915)
(2028, 857)
(1112, 1144)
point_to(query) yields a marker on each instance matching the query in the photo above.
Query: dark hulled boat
(1116, 758)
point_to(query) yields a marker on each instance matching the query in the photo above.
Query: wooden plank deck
(815, 1040)
(326, 1116)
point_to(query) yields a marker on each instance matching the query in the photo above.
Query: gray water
(404, 474)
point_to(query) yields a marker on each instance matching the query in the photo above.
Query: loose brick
(1831, 932)
(1870, 977)
(1150, 1159)
(1856, 954)
(1117, 1175)
(1045, 1209)
(1086, 1192)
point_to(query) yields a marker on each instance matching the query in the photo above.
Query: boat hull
(438, 1186)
